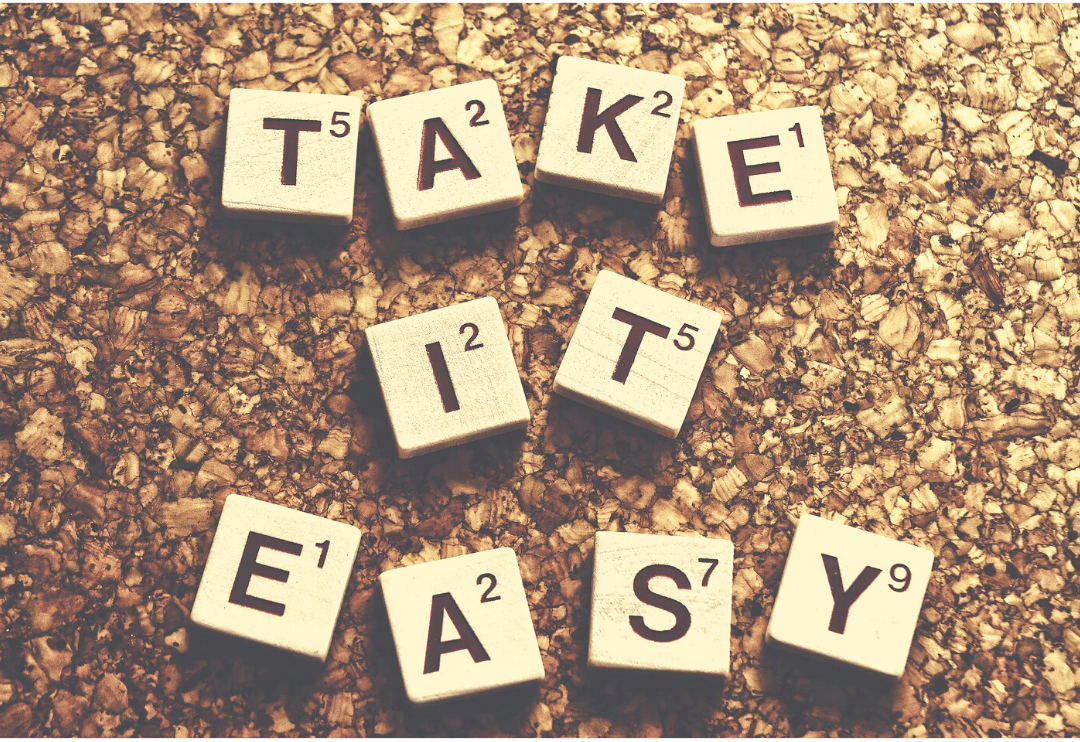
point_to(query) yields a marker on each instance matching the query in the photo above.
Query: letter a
(436, 647)
(430, 167)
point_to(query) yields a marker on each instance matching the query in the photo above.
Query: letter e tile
(765, 176)
(276, 576)
(461, 625)
(850, 596)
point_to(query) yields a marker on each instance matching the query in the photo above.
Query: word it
(448, 376)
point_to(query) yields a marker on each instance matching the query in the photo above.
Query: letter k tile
(610, 129)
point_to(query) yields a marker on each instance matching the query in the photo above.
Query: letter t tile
(637, 353)
(290, 156)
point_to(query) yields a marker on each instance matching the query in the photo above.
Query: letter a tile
(765, 176)
(661, 603)
(850, 596)
(445, 154)
(448, 376)
(276, 576)
(461, 625)
(290, 156)
(610, 129)
(637, 353)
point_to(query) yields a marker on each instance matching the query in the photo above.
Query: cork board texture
(914, 376)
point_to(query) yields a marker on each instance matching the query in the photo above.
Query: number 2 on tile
(475, 120)
(471, 343)
(658, 111)
(487, 597)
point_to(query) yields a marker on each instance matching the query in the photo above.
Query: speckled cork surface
(914, 376)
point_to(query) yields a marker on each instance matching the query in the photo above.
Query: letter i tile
(461, 626)
(765, 176)
(276, 576)
(448, 376)
(445, 153)
(637, 353)
(661, 603)
(290, 156)
(850, 596)
(610, 129)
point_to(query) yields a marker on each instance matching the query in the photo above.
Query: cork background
(915, 376)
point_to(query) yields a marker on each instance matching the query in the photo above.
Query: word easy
(462, 625)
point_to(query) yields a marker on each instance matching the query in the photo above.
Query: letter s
(672, 606)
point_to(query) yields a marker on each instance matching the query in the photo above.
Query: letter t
(292, 129)
(638, 327)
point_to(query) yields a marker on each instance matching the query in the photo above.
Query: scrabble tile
(461, 625)
(610, 129)
(276, 576)
(448, 376)
(637, 353)
(661, 603)
(850, 596)
(445, 154)
(765, 176)
(290, 156)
